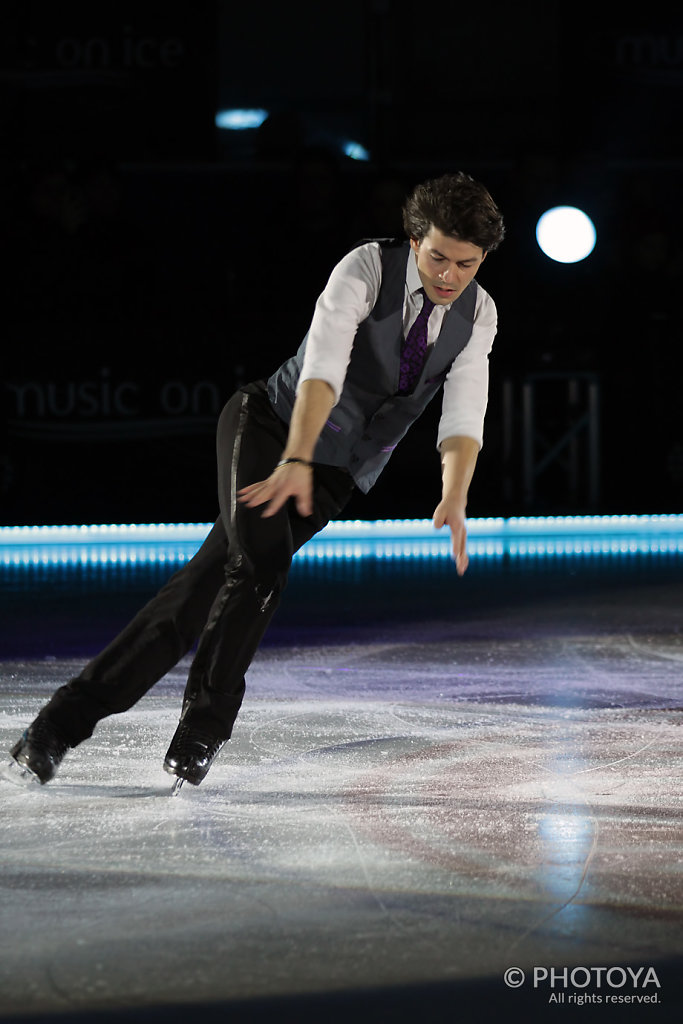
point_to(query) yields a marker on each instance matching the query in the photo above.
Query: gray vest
(371, 418)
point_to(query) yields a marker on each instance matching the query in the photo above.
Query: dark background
(153, 262)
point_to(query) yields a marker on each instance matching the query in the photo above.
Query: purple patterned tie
(414, 349)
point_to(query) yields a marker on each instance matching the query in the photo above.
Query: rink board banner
(94, 447)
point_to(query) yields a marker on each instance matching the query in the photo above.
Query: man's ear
(414, 244)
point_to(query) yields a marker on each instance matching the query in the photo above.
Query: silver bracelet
(286, 462)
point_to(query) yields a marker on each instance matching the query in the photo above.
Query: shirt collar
(413, 282)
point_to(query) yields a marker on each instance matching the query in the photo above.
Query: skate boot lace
(187, 740)
(44, 737)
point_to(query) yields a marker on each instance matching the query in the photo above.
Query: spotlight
(566, 234)
(355, 151)
(240, 119)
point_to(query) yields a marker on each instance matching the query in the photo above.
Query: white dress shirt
(348, 298)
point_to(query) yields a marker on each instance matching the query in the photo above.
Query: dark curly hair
(457, 205)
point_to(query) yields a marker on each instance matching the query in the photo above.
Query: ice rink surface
(433, 781)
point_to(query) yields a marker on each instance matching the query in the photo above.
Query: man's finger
(460, 551)
(250, 489)
(274, 505)
(439, 519)
(304, 506)
(255, 494)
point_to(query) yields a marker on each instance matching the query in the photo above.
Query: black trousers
(225, 596)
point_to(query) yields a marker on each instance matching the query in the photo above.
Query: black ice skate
(190, 755)
(38, 753)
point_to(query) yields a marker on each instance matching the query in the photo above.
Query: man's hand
(312, 406)
(458, 459)
(453, 515)
(292, 481)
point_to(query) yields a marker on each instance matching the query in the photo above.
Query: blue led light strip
(488, 538)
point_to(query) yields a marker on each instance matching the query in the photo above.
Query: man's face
(445, 265)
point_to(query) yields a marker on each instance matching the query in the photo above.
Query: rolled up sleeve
(466, 388)
(348, 298)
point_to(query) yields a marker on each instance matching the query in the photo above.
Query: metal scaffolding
(560, 426)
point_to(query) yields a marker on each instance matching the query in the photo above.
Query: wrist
(456, 498)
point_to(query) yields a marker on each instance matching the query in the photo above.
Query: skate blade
(177, 786)
(18, 774)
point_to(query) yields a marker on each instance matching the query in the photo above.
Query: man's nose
(447, 274)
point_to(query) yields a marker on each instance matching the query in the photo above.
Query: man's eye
(438, 259)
